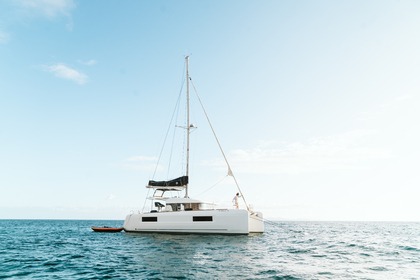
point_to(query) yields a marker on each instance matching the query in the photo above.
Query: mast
(188, 122)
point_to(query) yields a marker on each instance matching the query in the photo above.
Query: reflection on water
(190, 256)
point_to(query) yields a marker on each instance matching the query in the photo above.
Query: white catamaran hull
(226, 221)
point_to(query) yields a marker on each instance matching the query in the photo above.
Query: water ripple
(288, 250)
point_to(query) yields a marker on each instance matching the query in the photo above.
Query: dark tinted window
(149, 219)
(202, 218)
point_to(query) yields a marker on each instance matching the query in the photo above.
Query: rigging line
(176, 109)
(167, 131)
(184, 140)
(182, 171)
(174, 135)
(273, 223)
(206, 190)
(220, 147)
(145, 200)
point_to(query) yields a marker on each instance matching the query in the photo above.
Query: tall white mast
(188, 122)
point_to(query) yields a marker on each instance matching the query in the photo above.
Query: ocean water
(68, 249)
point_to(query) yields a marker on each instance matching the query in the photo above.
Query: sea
(69, 249)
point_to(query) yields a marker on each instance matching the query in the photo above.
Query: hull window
(202, 219)
(149, 219)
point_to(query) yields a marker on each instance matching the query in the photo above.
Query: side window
(202, 218)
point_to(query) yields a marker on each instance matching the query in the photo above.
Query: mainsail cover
(178, 182)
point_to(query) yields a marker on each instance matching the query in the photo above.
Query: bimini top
(178, 182)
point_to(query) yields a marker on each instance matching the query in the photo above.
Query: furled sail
(178, 182)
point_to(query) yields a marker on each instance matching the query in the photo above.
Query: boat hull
(256, 222)
(224, 221)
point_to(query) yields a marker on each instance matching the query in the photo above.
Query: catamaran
(175, 214)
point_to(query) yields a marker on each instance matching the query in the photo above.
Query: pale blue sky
(315, 103)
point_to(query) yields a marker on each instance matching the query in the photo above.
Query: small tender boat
(107, 229)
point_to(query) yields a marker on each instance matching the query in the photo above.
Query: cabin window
(149, 219)
(202, 218)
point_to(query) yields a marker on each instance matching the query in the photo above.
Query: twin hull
(226, 221)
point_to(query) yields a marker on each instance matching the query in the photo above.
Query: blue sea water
(69, 249)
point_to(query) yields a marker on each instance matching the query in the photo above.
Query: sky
(315, 103)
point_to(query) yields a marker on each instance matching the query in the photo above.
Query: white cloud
(89, 62)
(337, 152)
(398, 102)
(404, 97)
(4, 37)
(48, 8)
(63, 71)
